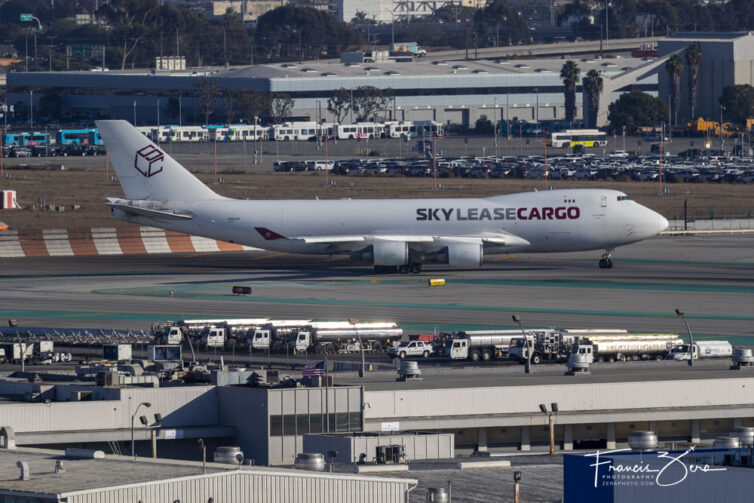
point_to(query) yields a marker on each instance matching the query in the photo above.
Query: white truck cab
(459, 349)
(261, 339)
(214, 337)
(584, 353)
(174, 336)
(303, 340)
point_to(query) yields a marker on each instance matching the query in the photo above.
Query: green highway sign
(26, 17)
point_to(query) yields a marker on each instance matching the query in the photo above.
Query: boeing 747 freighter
(392, 234)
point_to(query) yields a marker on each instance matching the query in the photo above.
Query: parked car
(411, 348)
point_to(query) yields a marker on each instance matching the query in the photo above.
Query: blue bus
(78, 137)
(14, 139)
(27, 139)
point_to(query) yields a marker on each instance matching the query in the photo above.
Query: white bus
(584, 137)
(299, 131)
(359, 130)
(148, 131)
(239, 132)
(413, 129)
(182, 134)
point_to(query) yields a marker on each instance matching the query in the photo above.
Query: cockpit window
(624, 198)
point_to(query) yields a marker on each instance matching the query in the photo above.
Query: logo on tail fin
(148, 161)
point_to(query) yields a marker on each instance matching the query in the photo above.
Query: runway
(711, 278)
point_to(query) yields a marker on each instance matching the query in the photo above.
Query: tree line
(134, 32)
(633, 18)
(362, 103)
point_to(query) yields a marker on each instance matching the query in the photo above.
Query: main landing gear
(414, 267)
(606, 262)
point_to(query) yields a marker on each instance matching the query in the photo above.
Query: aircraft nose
(656, 223)
(662, 222)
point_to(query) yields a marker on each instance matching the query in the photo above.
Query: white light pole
(551, 420)
(21, 349)
(517, 319)
(354, 321)
(680, 313)
(133, 416)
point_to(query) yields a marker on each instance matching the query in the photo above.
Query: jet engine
(384, 253)
(459, 255)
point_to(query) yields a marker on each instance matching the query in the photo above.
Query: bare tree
(367, 100)
(252, 104)
(232, 102)
(339, 104)
(207, 93)
(281, 106)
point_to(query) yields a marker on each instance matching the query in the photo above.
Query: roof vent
(642, 440)
(409, 370)
(24, 467)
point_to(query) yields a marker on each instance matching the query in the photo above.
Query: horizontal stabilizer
(164, 214)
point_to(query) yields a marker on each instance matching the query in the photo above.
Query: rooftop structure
(450, 92)
(116, 478)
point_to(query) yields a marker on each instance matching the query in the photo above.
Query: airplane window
(624, 198)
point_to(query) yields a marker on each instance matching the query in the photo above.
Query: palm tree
(592, 89)
(570, 73)
(694, 61)
(674, 66)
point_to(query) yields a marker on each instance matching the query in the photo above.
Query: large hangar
(450, 92)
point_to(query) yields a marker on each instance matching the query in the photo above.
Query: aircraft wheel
(609, 263)
(404, 269)
(603, 263)
(416, 268)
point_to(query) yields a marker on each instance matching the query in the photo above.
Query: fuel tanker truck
(342, 336)
(605, 347)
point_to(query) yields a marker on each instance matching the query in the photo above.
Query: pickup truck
(411, 348)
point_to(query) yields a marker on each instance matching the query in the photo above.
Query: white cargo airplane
(393, 234)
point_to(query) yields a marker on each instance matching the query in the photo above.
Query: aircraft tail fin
(145, 171)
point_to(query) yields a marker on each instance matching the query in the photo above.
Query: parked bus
(78, 137)
(297, 131)
(414, 129)
(239, 132)
(190, 134)
(39, 140)
(27, 139)
(359, 130)
(584, 137)
(15, 139)
(521, 128)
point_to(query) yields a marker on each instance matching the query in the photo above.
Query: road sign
(26, 17)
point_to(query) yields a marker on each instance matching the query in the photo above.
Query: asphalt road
(711, 278)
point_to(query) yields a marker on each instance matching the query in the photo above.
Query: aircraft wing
(160, 213)
(348, 242)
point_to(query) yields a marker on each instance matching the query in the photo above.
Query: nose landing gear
(606, 262)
